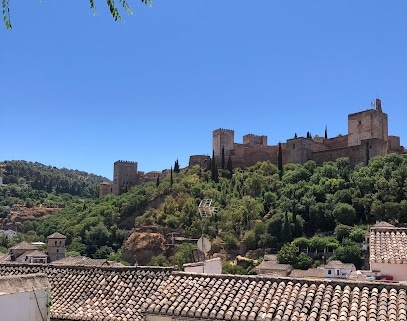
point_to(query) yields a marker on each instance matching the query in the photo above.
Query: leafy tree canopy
(115, 10)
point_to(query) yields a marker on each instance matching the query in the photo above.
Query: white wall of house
(397, 270)
(24, 297)
(337, 273)
(213, 266)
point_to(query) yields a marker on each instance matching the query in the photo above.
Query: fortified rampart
(125, 176)
(202, 160)
(367, 137)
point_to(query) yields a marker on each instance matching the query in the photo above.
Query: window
(329, 272)
(55, 243)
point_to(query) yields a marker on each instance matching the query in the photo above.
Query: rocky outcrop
(140, 247)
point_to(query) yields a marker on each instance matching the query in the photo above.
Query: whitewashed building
(338, 270)
(24, 297)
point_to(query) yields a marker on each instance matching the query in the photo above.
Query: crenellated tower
(251, 139)
(368, 124)
(125, 174)
(223, 138)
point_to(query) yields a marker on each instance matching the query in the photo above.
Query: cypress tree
(295, 135)
(157, 183)
(296, 228)
(214, 169)
(286, 235)
(326, 132)
(223, 157)
(171, 178)
(230, 167)
(176, 167)
(280, 161)
(308, 135)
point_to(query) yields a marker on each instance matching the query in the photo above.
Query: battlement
(124, 162)
(223, 130)
(251, 139)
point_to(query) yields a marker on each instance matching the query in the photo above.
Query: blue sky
(82, 91)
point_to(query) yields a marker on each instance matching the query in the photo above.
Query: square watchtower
(125, 174)
(56, 246)
(368, 124)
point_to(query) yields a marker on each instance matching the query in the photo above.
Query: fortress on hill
(367, 137)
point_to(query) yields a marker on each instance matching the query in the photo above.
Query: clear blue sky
(82, 91)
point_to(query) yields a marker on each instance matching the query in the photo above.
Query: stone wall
(125, 174)
(222, 138)
(202, 160)
(367, 137)
(251, 139)
(365, 125)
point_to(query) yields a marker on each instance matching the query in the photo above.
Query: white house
(337, 269)
(211, 266)
(24, 297)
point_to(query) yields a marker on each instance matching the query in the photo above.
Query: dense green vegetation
(297, 201)
(50, 179)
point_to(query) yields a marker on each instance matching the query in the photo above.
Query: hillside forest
(278, 210)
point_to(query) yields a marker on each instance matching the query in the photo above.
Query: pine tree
(223, 157)
(280, 161)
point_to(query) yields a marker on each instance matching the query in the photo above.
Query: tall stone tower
(223, 138)
(368, 124)
(56, 246)
(125, 174)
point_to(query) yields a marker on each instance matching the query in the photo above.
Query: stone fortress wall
(367, 137)
(125, 176)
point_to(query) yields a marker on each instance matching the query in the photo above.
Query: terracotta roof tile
(23, 246)
(126, 293)
(281, 300)
(85, 293)
(56, 235)
(388, 246)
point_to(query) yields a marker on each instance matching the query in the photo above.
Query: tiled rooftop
(126, 293)
(23, 246)
(389, 246)
(82, 261)
(310, 273)
(56, 235)
(255, 298)
(335, 264)
(84, 293)
(34, 253)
